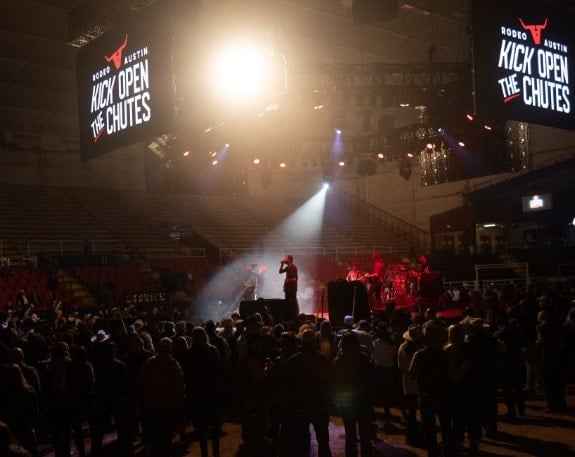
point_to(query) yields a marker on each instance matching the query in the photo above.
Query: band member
(376, 279)
(355, 274)
(430, 284)
(290, 284)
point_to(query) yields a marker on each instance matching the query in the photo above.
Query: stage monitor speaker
(279, 309)
(369, 11)
(347, 298)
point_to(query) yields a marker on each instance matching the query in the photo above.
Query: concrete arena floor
(537, 434)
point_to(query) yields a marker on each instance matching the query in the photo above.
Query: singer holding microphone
(290, 285)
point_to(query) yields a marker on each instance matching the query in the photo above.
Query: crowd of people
(69, 380)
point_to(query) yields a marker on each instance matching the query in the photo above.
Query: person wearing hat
(431, 368)
(304, 388)
(290, 287)
(410, 345)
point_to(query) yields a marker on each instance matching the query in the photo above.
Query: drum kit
(404, 281)
(401, 281)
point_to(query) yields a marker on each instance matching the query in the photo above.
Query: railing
(175, 253)
(74, 246)
(419, 240)
(232, 252)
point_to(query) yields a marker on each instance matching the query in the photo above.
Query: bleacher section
(41, 219)
(137, 237)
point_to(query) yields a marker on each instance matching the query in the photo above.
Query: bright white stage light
(241, 70)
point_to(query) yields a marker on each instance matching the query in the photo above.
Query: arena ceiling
(38, 101)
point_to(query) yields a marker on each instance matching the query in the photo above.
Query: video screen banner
(524, 63)
(125, 85)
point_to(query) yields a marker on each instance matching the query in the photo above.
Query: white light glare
(241, 70)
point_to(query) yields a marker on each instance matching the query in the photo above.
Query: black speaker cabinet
(280, 310)
(347, 298)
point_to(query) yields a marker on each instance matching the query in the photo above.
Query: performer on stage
(355, 274)
(290, 283)
(430, 285)
(376, 279)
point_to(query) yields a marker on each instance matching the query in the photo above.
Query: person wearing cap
(290, 285)
(304, 387)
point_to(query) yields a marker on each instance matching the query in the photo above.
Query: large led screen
(125, 85)
(523, 63)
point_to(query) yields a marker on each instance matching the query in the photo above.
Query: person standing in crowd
(482, 349)
(290, 286)
(353, 385)
(203, 373)
(254, 374)
(376, 279)
(288, 346)
(305, 390)
(411, 344)
(161, 385)
(550, 350)
(60, 398)
(110, 400)
(383, 354)
(432, 370)
(19, 407)
(135, 359)
(512, 366)
(466, 405)
(81, 385)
